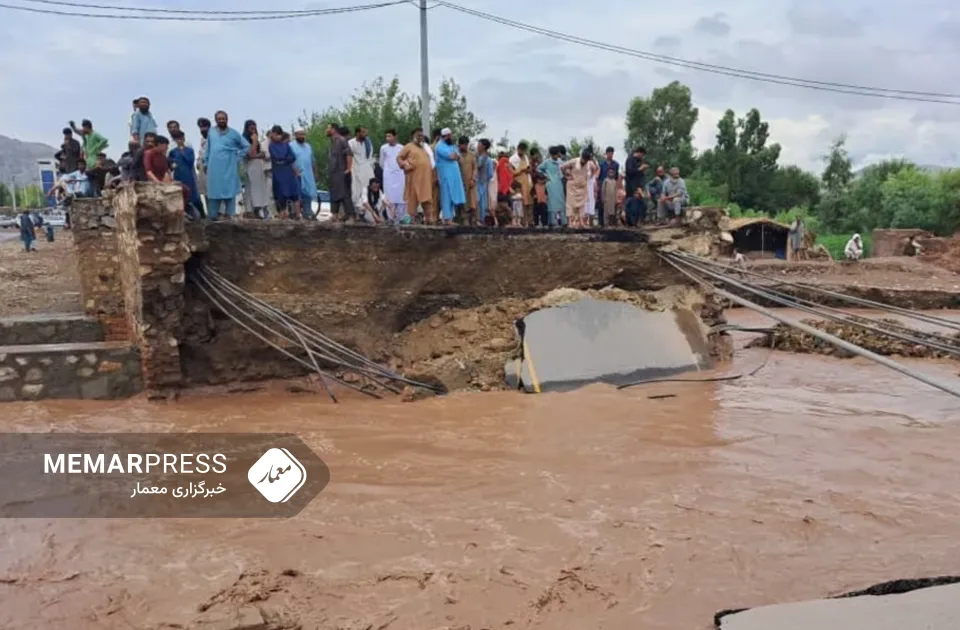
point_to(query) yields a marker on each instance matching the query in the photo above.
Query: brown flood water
(591, 509)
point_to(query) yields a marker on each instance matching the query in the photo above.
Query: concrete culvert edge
(892, 587)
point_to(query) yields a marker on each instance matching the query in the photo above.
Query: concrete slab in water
(935, 608)
(591, 341)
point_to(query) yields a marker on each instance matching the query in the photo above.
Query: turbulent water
(590, 509)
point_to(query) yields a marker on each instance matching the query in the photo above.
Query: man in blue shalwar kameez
(448, 174)
(221, 161)
(307, 166)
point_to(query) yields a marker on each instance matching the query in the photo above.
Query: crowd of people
(434, 181)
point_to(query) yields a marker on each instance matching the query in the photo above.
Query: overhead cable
(889, 308)
(192, 16)
(677, 263)
(764, 77)
(949, 346)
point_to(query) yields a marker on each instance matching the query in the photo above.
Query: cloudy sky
(61, 68)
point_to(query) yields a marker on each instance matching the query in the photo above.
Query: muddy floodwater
(592, 509)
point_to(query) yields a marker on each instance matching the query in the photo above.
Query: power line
(117, 7)
(827, 86)
(219, 17)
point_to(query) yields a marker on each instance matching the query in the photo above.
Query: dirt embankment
(45, 281)
(901, 281)
(467, 348)
(791, 340)
(948, 259)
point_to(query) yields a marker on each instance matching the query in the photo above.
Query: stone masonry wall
(154, 246)
(49, 328)
(94, 232)
(82, 370)
(362, 285)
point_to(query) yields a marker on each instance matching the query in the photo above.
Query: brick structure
(153, 250)
(94, 232)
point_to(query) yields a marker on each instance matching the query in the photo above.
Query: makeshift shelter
(758, 238)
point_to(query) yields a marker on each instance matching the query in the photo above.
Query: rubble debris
(789, 339)
(472, 356)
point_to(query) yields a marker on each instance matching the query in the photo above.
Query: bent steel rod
(819, 334)
(952, 342)
(216, 302)
(337, 361)
(310, 352)
(820, 311)
(320, 338)
(323, 339)
(923, 317)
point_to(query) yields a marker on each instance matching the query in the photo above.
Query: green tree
(663, 125)
(949, 218)
(742, 161)
(793, 187)
(381, 105)
(912, 199)
(30, 196)
(576, 145)
(838, 172)
(866, 208)
(836, 208)
(6, 199)
(450, 110)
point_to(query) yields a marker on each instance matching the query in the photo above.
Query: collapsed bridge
(366, 307)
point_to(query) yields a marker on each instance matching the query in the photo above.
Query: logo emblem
(277, 475)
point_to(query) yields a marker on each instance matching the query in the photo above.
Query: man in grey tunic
(674, 196)
(797, 235)
(339, 171)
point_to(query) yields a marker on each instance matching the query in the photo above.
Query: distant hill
(19, 159)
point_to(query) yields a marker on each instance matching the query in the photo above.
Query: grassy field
(836, 242)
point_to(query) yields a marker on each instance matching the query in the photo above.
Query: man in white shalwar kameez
(363, 161)
(394, 178)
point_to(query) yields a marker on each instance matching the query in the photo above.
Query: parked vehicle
(56, 218)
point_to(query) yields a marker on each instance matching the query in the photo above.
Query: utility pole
(424, 73)
(14, 181)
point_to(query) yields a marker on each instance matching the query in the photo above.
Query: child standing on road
(540, 218)
(516, 205)
(26, 231)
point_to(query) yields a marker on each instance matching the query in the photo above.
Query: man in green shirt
(93, 142)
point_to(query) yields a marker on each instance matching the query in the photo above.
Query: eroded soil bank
(467, 348)
(789, 339)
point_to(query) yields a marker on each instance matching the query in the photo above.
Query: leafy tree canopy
(381, 105)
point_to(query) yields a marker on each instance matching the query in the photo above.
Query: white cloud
(57, 69)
